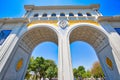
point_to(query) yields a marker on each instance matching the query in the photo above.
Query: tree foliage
(97, 70)
(51, 72)
(41, 68)
(81, 73)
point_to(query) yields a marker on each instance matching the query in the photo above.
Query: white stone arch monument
(19, 36)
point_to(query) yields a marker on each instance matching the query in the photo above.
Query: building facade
(61, 25)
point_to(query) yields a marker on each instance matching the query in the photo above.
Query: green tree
(33, 67)
(88, 74)
(51, 72)
(42, 68)
(37, 66)
(81, 71)
(49, 63)
(28, 75)
(51, 69)
(56, 72)
(75, 72)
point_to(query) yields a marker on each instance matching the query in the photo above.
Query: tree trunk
(36, 76)
(43, 78)
(40, 78)
(50, 79)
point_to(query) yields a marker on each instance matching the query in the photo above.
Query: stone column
(65, 67)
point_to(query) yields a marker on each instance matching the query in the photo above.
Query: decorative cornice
(109, 18)
(54, 22)
(14, 20)
(32, 7)
(71, 22)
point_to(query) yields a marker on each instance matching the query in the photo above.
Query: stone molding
(109, 18)
(14, 20)
(32, 7)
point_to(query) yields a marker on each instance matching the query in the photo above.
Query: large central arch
(97, 38)
(28, 39)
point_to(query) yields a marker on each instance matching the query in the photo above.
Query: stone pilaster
(65, 67)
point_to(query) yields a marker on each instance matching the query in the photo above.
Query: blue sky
(82, 53)
(15, 8)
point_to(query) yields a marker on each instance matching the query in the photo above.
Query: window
(62, 14)
(44, 15)
(88, 14)
(80, 14)
(117, 30)
(36, 15)
(26, 12)
(71, 14)
(53, 14)
(3, 35)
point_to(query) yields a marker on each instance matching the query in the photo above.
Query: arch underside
(90, 35)
(37, 35)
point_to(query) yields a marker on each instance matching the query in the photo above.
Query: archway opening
(82, 54)
(39, 43)
(48, 50)
(44, 61)
(90, 41)
(85, 61)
